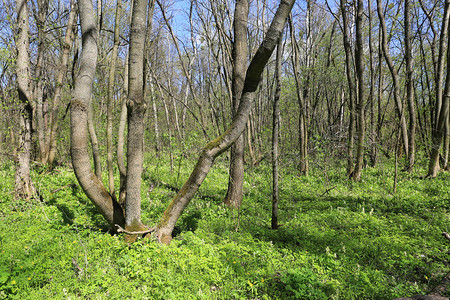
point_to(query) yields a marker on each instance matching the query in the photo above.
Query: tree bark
(136, 108)
(351, 88)
(24, 187)
(359, 64)
(302, 128)
(81, 95)
(395, 79)
(54, 125)
(110, 103)
(410, 88)
(216, 147)
(234, 194)
(441, 113)
(276, 134)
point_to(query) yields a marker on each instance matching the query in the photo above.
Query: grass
(339, 240)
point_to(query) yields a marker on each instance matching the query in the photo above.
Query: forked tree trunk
(395, 79)
(234, 194)
(219, 145)
(81, 95)
(23, 185)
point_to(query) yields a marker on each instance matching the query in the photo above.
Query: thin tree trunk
(359, 63)
(276, 134)
(109, 109)
(441, 108)
(94, 142)
(303, 130)
(410, 87)
(216, 147)
(39, 84)
(395, 79)
(351, 88)
(441, 113)
(234, 194)
(23, 185)
(68, 41)
(81, 95)
(121, 138)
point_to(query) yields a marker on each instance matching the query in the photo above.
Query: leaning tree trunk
(240, 53)
(395, 79)
(219, 145)
(81, 96)
(23, 185)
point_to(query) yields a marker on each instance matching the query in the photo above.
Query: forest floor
(339, 240)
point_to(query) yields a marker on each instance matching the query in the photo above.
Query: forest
(247, 149)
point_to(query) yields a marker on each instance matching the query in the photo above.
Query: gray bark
(234, 194)
(23, 185)
(81, 96)
(219, 145)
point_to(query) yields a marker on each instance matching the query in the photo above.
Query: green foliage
(339, 240)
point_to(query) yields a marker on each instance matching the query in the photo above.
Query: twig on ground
(120, 229)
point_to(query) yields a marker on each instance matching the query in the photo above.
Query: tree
(276, 134)
(217, 146)
(24, 187)
(234, 194)
(442, 103)
(359, 64)
(442, 100)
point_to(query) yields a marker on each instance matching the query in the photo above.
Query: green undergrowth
(338, 240)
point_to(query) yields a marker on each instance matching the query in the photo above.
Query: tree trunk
(23, 185)
(239, 58)
(410, 88)
(109, 109)
(359, 63)
(81, 95)
(39, 81)
(276, 133)
(136, 108)
(441, 108)
(351, 88)
(216, 147)
(68, 41)
(302, 128)
(395, 79)
(441, 113)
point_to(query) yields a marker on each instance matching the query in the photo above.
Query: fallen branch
(446, 235)
(120, 229)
